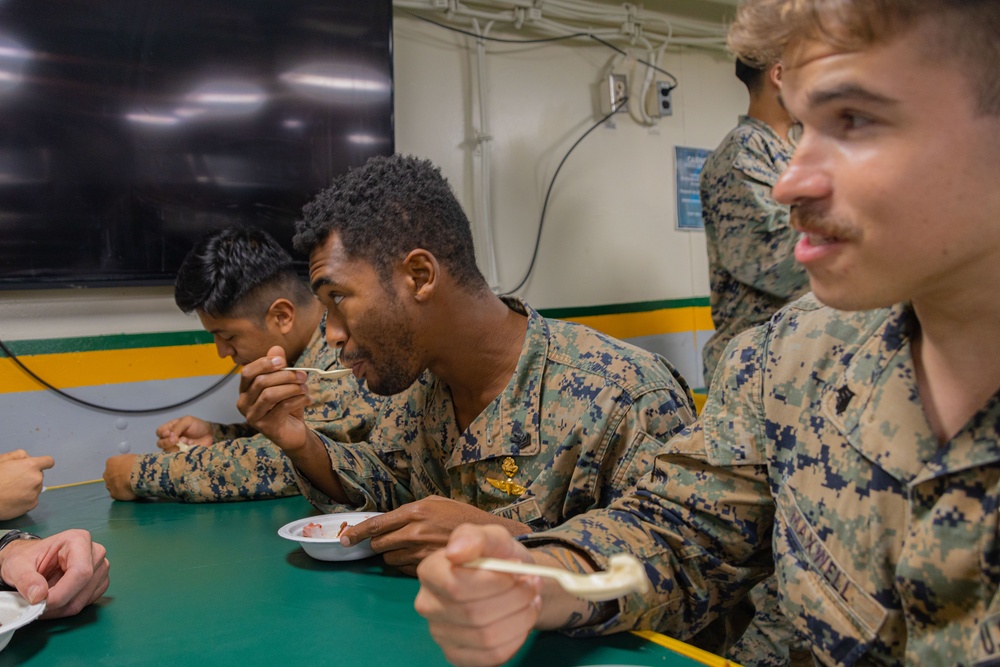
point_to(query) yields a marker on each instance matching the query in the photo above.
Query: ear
(422, 274)
(774, 74)
(281, 315)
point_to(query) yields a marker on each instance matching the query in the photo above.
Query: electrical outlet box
(658, 100)
(614, 93)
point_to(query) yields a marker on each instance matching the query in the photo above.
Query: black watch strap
(15, 534)
(6, 539)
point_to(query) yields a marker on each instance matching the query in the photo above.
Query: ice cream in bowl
(320, 535)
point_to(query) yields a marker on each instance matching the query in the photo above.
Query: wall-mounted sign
(687, 165)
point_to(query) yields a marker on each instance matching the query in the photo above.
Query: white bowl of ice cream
(320, 535)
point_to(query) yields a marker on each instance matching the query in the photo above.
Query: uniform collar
(876, 406)
(762, 127)
(510, 424)
(975, 446)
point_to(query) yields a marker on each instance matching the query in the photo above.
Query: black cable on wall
(107, 408)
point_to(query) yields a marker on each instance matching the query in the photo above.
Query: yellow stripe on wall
(142, 364)
(84, 369)
(650, 323)
(703, 319)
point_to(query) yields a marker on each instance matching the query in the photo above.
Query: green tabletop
(213, 584)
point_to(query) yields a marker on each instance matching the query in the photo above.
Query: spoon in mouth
(331, 374)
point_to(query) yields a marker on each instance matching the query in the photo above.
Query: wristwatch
(6, 539)
(16, 535)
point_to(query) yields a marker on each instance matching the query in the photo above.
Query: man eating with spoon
(495, 414)
(244, 289)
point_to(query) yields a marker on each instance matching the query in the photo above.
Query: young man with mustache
(852, 448)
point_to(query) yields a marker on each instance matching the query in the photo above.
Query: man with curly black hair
(495, 415)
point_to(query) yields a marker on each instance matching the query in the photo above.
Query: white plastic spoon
(625, 574)
(333, 373)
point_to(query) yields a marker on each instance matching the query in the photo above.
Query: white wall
(609, 233)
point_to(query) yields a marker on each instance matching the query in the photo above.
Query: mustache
(809, 220)
(350, 359)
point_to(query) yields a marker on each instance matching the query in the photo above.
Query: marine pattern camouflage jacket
(813, 458)
(578, 424)
(751, 258)
(243, 464)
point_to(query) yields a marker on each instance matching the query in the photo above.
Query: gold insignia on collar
(508, 486)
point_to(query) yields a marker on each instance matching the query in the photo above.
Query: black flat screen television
(129, 128)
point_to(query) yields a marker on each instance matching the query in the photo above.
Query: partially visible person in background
(243, 286)
(21, 478)
(751, 260)
(753, 273)
(68, 570)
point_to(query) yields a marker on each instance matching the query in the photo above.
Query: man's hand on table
(407, 535)
(186, 430)
(117, 472)
(21, 478)
(67, 570)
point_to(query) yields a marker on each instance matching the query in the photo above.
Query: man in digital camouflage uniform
(495, 414)
(853, 449)
(751, 261)
(243, 287)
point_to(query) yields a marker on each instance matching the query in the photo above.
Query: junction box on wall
(658, 101)
(614, 91)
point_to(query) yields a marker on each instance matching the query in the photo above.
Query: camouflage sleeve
(374, 479)
(343, 411)
(232, 431)
(756, 243)
(700, 521)
(241, 469)
(656, 416)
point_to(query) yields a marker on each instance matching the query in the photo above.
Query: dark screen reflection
(129, 128)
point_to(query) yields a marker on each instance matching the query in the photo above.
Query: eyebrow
(320, 282)
(848, 91)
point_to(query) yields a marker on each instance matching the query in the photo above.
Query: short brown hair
(968, 32)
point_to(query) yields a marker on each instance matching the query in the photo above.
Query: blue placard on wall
(687, 165)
